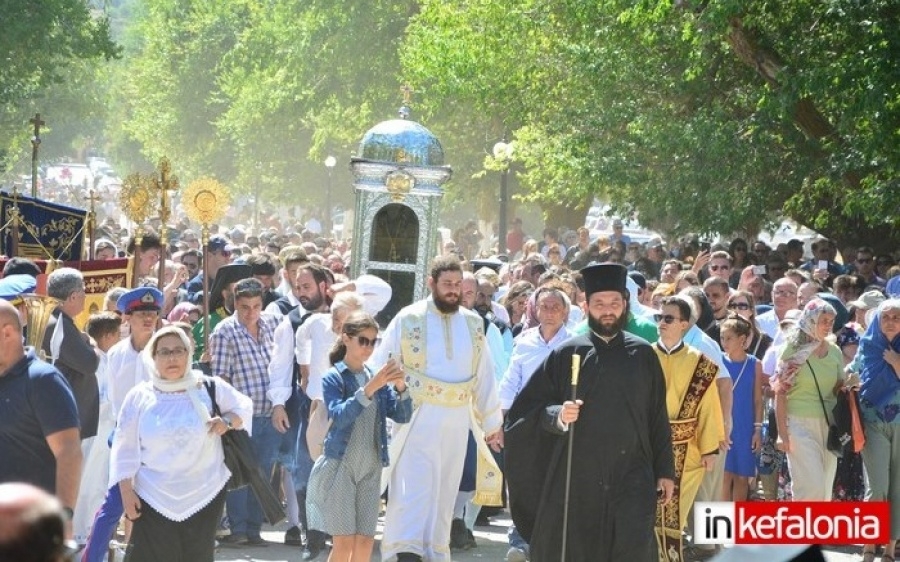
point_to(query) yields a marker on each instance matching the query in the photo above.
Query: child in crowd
(345, 484)
(747, 380)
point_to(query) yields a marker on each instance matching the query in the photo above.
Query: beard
(447, 304)
(314, 303)
(608, 326)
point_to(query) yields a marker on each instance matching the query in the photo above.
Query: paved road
(491, 540)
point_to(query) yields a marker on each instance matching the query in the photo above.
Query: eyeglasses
(718, 267)
(175, 352)
(784, 294)
(364, 341)
(739, 306)
(666, 318)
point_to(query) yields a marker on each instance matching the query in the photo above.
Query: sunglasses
(666, 318)
(864, 260)
(739, 306)
(364, 341)
(718, 267)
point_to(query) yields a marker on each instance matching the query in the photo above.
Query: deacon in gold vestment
(695, 416)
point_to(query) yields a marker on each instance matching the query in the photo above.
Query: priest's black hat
(605, 277)
(227, 275)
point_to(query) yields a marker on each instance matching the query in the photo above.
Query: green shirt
(803, 400)
(214, 320)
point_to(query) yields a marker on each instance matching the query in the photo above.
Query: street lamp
(503, 152)
(330, 162)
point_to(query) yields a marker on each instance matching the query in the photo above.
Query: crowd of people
(707, 373)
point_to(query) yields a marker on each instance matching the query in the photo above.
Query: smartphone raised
(759, 270)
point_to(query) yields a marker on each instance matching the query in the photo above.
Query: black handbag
(240, 459)
(234, 443)
(833, 442)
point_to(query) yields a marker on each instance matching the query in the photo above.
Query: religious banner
(46, 230)
(99, 277)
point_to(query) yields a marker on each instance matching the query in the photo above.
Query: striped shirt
(244, 361)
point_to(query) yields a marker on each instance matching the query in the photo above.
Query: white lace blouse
(162, 443)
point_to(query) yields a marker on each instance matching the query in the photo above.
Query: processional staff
(135, 198)
(91, 221)
(576, 368)
(35, 145)
(205, 201)
(164, 183)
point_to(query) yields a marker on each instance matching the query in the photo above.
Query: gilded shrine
(397, 174)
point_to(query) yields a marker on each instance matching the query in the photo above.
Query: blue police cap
(142, 298)
(12, 286)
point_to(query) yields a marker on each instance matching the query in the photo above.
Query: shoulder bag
(240, 458)
(837, 439)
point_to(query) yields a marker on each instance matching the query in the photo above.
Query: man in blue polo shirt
(40, 441)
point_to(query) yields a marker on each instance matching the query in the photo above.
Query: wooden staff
(204, 239)
(576, 367)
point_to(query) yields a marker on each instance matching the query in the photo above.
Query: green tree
(45, 46)
(656, 108)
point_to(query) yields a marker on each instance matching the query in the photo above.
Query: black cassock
(622, 445)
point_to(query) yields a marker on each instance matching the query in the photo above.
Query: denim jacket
(345, 400)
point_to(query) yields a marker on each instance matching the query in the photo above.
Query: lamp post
(330, 162)
(503, 152)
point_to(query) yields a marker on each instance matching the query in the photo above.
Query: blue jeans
(244, 512)
(515, 539)
(303, 463)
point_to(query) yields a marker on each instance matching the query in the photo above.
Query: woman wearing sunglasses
(744, 304)
(345, 483)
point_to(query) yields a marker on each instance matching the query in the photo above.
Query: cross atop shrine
(407, 100)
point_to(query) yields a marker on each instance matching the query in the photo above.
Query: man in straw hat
(624, 463)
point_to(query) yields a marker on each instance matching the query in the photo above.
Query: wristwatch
(228, 423)
(69, 512)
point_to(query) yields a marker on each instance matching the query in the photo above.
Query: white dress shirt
(529, 352)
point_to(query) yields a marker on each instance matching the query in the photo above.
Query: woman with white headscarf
(807, 377)
(167, 454)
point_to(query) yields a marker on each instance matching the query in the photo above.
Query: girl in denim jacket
(345, 483)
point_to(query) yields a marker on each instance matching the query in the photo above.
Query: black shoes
(315, 544)
(461, 538)
(408, 557)
(293, 537)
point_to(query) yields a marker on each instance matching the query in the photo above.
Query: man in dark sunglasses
(865, 267)
(695, 414)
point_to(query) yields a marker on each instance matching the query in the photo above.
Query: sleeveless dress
(740, 459)
(344, 494)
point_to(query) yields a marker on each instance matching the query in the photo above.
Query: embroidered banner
(47, 231)
(99, 277)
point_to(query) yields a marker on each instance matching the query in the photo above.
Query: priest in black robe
(622, 460)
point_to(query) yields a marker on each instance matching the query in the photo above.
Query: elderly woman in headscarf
(167, 454)
(808, 375)
(879, 361)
